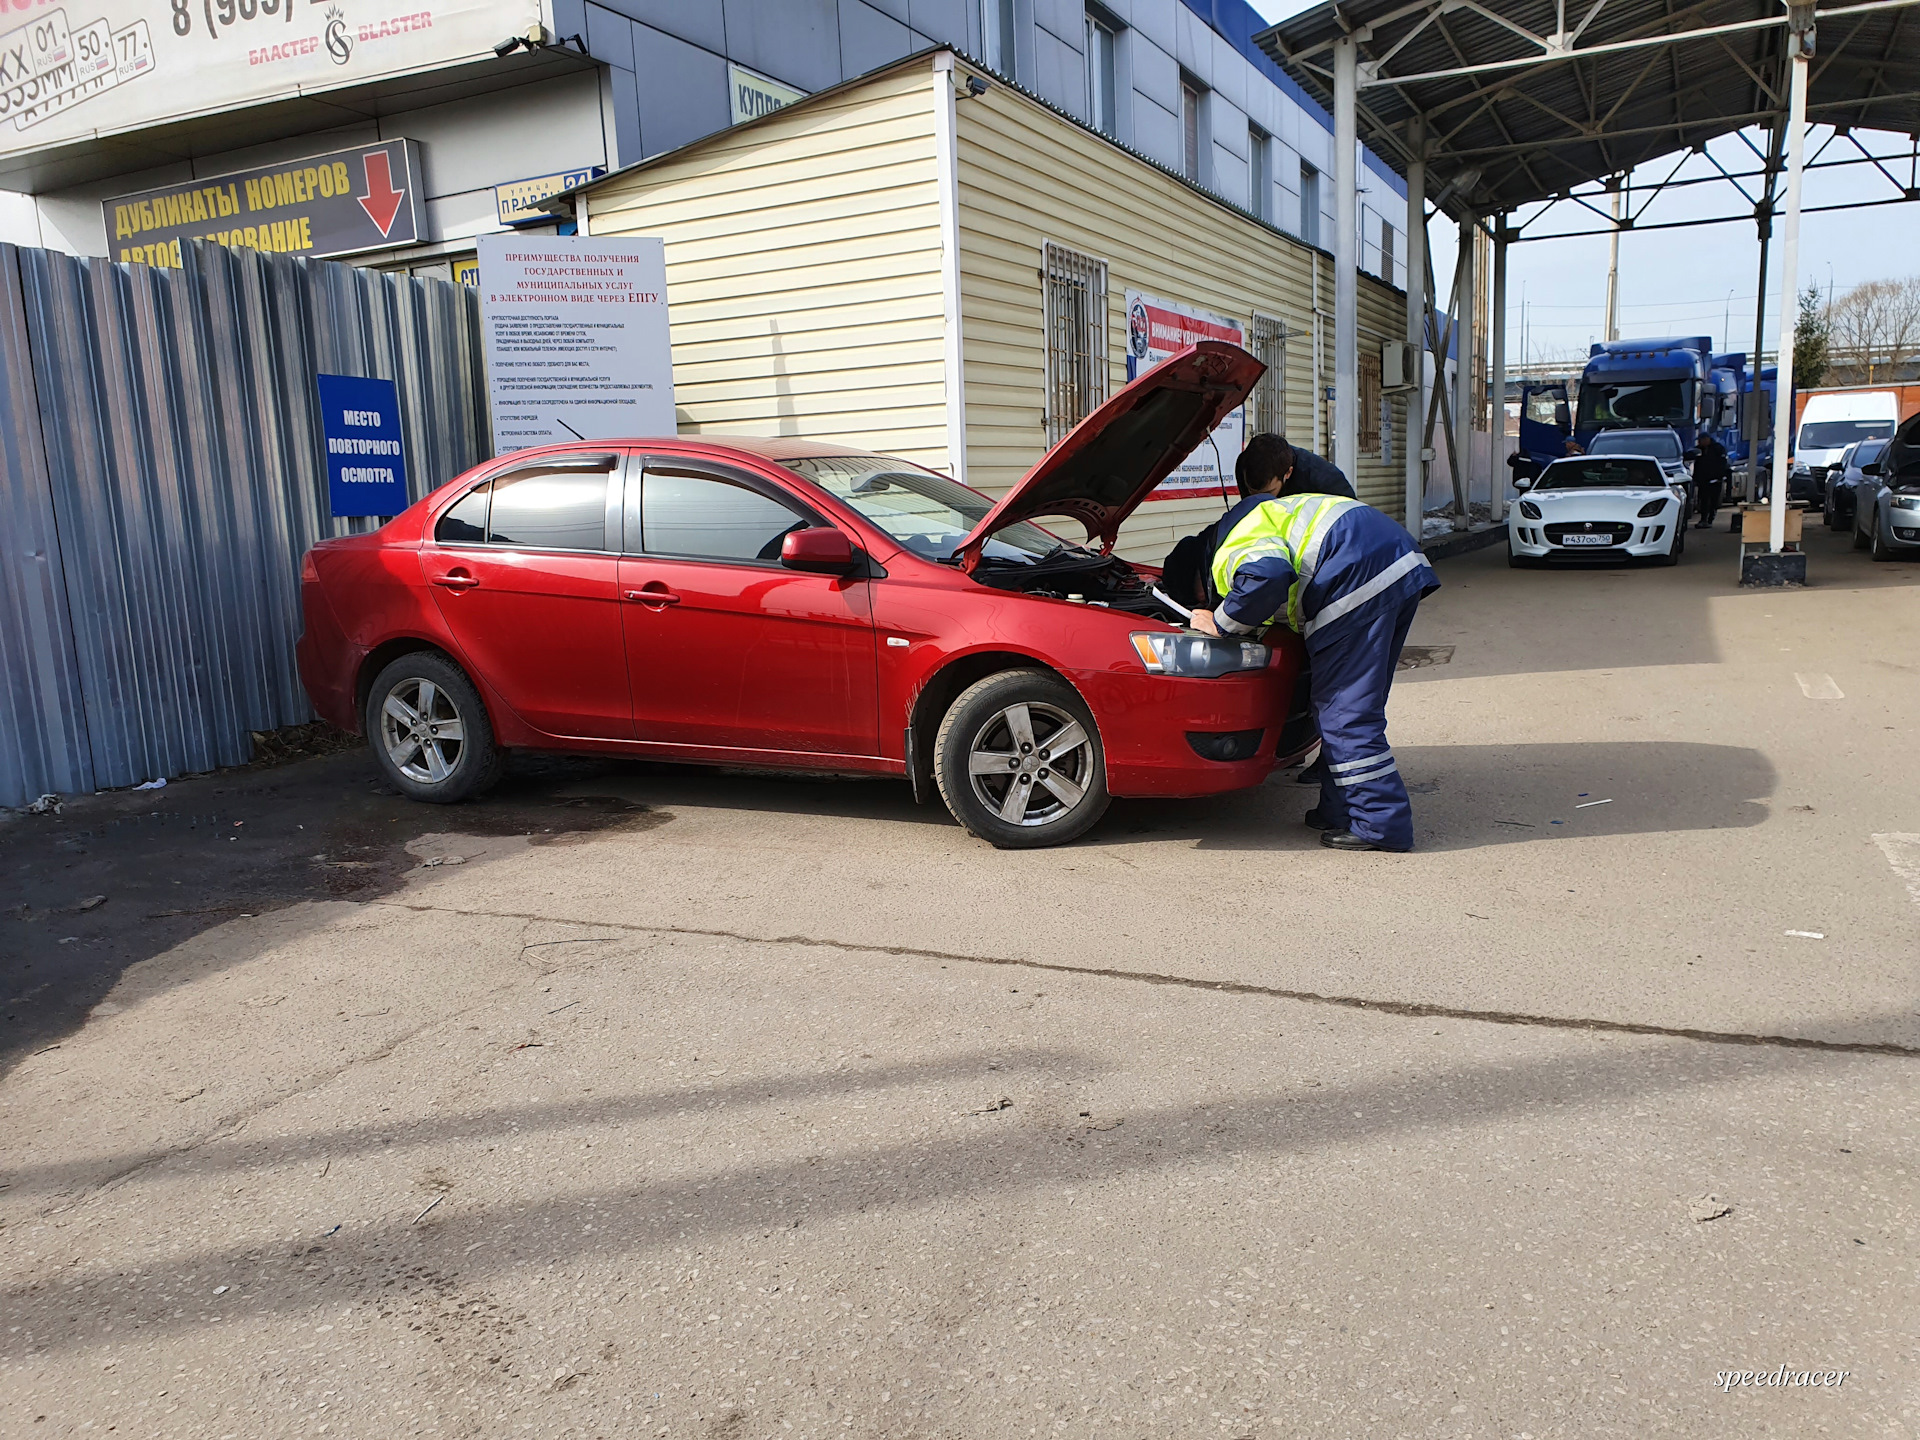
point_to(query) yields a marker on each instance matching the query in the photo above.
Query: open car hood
(1112, 460)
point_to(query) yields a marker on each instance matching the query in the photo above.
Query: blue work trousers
(1362, 790)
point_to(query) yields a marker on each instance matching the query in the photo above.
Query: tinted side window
(465, 523)
(550, 509)
(685, 513)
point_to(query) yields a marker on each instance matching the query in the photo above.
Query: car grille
(1617, 534)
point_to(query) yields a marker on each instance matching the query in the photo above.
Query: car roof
(1609, 455)
(763, 447)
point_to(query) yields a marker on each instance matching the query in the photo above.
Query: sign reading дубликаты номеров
(366, 463)
(576, 339)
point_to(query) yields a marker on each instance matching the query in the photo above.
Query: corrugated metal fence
(161, 474)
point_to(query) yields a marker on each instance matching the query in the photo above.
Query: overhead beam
(1554, 55)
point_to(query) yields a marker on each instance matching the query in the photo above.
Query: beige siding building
(922, 270)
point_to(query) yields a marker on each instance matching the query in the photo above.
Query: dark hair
(1266, 458)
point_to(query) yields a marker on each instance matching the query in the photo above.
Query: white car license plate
(1578, 538)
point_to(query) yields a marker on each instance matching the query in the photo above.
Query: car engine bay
(1083, 576)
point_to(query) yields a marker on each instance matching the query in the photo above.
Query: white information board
(576, 339)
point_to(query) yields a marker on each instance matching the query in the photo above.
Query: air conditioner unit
(1399, 365)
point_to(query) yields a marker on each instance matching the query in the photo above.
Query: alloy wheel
(1030, 764)
(421, 728)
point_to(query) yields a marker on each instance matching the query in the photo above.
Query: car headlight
(1906, 502)
(1202, 657)
(1530, 510)
(1652, 508)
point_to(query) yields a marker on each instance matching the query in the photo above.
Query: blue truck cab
(1677, 383)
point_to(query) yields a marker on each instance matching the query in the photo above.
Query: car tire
(987, 720)
(1877, 547)
(1860, 540)
(450, 755)
(1829, 514)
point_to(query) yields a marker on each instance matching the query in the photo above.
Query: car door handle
(654, 594)
(456, 580)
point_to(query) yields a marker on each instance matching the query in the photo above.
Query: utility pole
(1613, 266)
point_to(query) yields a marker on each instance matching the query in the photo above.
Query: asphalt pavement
(639, 1100)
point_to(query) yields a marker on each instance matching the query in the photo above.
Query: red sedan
(799, 604)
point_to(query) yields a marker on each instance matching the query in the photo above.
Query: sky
(1695, 281)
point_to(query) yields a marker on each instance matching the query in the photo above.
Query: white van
(1829, 422)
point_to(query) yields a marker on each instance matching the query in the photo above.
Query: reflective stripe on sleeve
(1354, 599)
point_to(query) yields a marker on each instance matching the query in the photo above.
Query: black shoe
(1314, 820)
(1346, 840)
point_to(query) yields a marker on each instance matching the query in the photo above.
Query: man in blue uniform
(1349, 580)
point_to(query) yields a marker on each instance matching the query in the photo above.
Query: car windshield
(1587, 473)
(1866, 452)
(1834, 434)
(1661, 444)
(1628, 405)
(927, 513)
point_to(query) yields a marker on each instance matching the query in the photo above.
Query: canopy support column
(1346, 232)
(1465, 307)
(1800, 44)
(1416, 330)
(1751, 411)
(1497, 472)
(1753, 423)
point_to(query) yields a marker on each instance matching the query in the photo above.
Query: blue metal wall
(161, 475)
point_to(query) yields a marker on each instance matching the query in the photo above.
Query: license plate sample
(1577, 538)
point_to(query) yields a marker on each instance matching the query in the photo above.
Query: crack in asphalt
(1408, 1009)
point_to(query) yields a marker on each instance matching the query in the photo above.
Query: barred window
(1076, 321)
(1369, 442)
(1267, 341)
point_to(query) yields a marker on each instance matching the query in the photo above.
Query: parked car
(1886, 512)
(1843, 480)
(1661, 444)
(1599, 507)
(804, 605)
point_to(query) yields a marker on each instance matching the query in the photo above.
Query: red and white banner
(1156, 329)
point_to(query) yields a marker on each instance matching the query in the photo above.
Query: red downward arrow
(382, 201)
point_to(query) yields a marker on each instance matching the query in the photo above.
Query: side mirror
(819, 551)
(1690, 455)
(1872, 467)
(1522, 482)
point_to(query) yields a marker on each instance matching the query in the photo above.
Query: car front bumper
(1145, 721)
(1649, 538)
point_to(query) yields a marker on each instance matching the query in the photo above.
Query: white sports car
(1598, 507)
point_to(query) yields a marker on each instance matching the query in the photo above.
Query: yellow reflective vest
(1291, 526)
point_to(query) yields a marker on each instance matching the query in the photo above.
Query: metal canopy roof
(1525, 99)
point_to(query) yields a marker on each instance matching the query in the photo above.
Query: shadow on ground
(1466, 797)
(116, 879)
(991, 1161)
(1600, 615)
(174, 863)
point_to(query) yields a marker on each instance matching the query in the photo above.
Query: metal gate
(162, 473)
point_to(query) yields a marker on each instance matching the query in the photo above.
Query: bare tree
(1875, 332)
